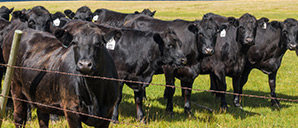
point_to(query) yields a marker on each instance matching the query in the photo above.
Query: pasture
(256, 112)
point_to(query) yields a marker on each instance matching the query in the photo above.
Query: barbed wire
(140, 82)
(128, 81)
(72, 111)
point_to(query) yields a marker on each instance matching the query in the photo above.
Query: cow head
(59, 19)
(83, 13)
(170, 47)
(247, 29)
(146, 12)
(289, 33)
(206, 31)
(4, 12)
(37, 18)
(88, 43)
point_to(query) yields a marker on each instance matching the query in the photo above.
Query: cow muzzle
(208, 51)
(84, 66)
(249, 41)
(292, 46)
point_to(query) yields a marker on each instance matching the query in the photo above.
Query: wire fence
(128, 81)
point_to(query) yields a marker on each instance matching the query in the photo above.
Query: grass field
(256, 112)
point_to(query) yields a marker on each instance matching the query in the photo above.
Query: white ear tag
(111, 44)
(95, 18)
(223, 33)
(264, 26)
(56, 22)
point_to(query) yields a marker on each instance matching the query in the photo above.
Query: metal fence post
(9, 72)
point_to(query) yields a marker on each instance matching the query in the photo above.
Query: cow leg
(73, 120)
(187, 94)
(169, 91)
(29, 112)
(222, 86)
(243, 80)
(139, 104)
(20, 108)
(43, 119)
(116, 108)
(272, 84)
(236, 86)
(213, 85)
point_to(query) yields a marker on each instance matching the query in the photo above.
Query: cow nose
(209, 51)
(292, 46)
(183, 61)
(249, 40)
(84, 65)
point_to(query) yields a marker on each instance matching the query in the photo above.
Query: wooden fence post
(9, 72)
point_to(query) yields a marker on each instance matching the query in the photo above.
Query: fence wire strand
(128, 81)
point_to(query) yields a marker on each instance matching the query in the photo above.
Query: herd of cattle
(133, 47)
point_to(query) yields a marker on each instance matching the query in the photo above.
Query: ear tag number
(95, 18)
(56, 22)
(111, 44)
(264, 26)
(223, 33)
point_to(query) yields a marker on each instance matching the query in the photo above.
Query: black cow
(4, 12)
(83, 13)
(38, 18)
(198, 40)
(59, 19)
(230, 52)
(138, 55)
(117, 19)
(272, 41)
(86, 55)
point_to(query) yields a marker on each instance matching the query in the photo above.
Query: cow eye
(170, 46)
(285, 31)
(201, 34)
(31, 22)
(74, 43)
(98, 44)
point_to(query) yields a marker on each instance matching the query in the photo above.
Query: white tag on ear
(56, 22)
(95, 18)
(111, 44)
(223, 33)
(264, 26)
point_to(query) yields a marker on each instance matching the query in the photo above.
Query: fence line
(129, 81)
(140, 82)
(72, 111)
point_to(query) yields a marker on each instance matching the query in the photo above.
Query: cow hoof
(187, 111)
(224, 107)
(143, 121)
(275, 103)
(54, 117)
(115, 120)
(238, 105)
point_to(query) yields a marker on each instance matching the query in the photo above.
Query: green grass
(256, 112)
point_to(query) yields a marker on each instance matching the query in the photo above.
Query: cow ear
(153, 13)
(112, 35)
(158, 39)
(276, 24)
(70, 14)
(221, 27)
(64, 36)
(193, 28)
(233, 21)
(263, 22)
(10, 10)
